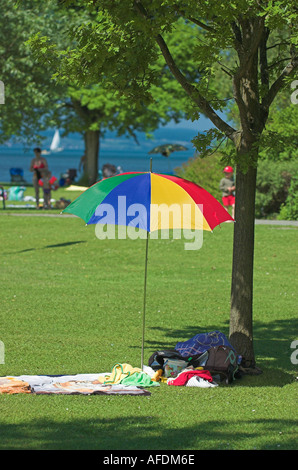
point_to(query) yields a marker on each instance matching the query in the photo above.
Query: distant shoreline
(59, 163)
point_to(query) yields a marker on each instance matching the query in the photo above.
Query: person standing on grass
(46, 186)
(38, 164)
(48, 183)
(227, 186)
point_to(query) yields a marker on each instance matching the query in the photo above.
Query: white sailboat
(55, 145)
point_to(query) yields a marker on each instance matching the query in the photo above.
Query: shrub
(289, 210)
(206, 172)
(273, 183)
(276, 183)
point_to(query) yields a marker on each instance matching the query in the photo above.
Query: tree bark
(241, 316)
(91, 139)
(246, 93)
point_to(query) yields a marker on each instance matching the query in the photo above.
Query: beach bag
(222, 361)
(201, 343)
(173, 367)
(16, 193)
(159, 358)
(62, 203)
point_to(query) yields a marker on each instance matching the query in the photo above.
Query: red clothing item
(228, 200)
(53, 182)
(184, 377)
(39, 166)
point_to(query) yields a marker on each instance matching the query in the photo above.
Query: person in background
(227, 187)
(37, 166)
(48, 183)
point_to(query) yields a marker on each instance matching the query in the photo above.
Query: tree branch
(225, 68)
(192, 91)
(195, 21)
(256, 30)
(278, 44)
(263, 60)
(202, 25)
(217, 147)
(240, 103)
(278, 62)
(237, 34)
(279, 82)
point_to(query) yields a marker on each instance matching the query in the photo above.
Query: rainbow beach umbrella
(149, 201)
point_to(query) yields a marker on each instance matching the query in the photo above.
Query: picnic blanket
(79, 384)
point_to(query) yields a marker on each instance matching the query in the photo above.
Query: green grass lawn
(71, 303)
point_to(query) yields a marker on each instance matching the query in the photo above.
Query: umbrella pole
(144, 304)
(145, 288)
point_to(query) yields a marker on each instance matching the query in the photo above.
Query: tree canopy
(30, 95)
(123, 44)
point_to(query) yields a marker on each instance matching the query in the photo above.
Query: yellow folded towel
(119, 372)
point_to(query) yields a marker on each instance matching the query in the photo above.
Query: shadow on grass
(272, 344)
(145, 433)
(58, 245)
(181, 335)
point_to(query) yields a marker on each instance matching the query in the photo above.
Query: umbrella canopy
(146, 192)
(150, 190)
(167, 149)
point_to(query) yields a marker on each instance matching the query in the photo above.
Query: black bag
(157, 359)
(222, 361)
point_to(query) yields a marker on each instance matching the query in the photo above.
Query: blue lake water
(118, 151)
(60, 162)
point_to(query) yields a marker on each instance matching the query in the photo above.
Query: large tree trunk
(241, 317)
(252, 120)
(92, 153)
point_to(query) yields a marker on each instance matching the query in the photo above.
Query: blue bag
(201, 343)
